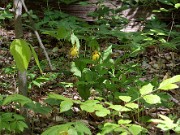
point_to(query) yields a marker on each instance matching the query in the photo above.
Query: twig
(37, 36)
(175, 100)
(171, 27)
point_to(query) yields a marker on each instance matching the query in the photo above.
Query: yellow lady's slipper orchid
(95, 55)
(73, 52)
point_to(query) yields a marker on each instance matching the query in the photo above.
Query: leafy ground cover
(104, 81)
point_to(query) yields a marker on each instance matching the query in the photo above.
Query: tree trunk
(22, 77)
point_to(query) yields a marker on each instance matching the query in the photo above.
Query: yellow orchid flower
(73, 52)
(95, 55)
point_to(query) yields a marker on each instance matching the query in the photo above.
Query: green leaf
(89, 105)
(93, 44)
(177, 5)
(164, 10)
(84, 90)
(84, 3)
(21, 125)
(124, 122)
(13, 126)
(146, 89)
(168, 83)
(124, 133)
(62, 33)
(106, 54)
(82, 128)
(98, 106)
(15, 122)
(72, 131)
(152, 99)
(167, 2)
(57, 96)
(116, 107)
(164, 127)
(75, 41)
(18, 117)
(11, 117)
(38, 108)
(165, 118)
(51, 33)
(16, 98)
(5, 117)
(156, 120)
(36, 83)
(58, 129)
(169, 87)
(135, 129)
(132, 105)
(177, 129)
(66, 84)
(21, 53)
(75, 70)
(174, 79)
(42, 79)
(36, 58)
(102, 112)
(125, 98)
(65, 105)
(165, 124)
(2, 18)
(1, 100)
(89, 75)
(119, 108)
(109, 127)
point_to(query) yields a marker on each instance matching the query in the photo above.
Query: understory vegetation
(92, 77)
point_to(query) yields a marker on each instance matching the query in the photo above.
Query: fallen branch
(37, 35)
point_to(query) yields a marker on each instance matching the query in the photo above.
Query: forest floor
(160, 64)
